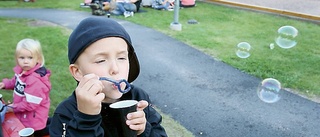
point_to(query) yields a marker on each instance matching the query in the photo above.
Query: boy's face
(107, 57)
(25, 59)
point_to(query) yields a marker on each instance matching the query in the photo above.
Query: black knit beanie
(93, 29)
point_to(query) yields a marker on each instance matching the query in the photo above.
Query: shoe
(131, 13)
(126, 14)
(170, 9)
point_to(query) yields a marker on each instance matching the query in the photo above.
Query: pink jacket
(31, 101)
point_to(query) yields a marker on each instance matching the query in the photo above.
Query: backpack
(97, 8)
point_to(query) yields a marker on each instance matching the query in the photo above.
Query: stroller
(99, 7)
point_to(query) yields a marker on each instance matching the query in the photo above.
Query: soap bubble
(286, 38)
(268, 90)
(243, 49)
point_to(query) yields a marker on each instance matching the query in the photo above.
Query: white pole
(175, 25)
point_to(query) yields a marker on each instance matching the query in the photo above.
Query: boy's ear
(75, 72)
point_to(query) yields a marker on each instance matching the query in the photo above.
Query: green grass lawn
(218, 32)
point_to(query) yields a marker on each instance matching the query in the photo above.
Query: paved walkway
(208, 97)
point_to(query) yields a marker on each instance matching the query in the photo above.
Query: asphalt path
(205, 95)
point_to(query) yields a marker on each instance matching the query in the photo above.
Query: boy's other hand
(137, 120)
(89, 95)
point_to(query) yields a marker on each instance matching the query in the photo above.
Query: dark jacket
(68, 121)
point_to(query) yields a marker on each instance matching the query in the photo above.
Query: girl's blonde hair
(34, 47)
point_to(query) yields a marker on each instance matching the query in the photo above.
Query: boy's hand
(89, 95)
(133, 1)
(137, 120)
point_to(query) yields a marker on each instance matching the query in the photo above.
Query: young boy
(100, 47)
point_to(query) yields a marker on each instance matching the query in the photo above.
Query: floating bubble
(286, 38)
(268, 90)
(243, 49)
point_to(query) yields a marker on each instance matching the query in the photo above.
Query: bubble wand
(117, 83)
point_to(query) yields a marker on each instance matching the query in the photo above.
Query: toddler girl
(31, 86)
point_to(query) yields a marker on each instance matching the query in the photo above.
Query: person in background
(125, 8)
(103, 50)
(31, 87)
(187, 3)
(163, 5)
(133, 6)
